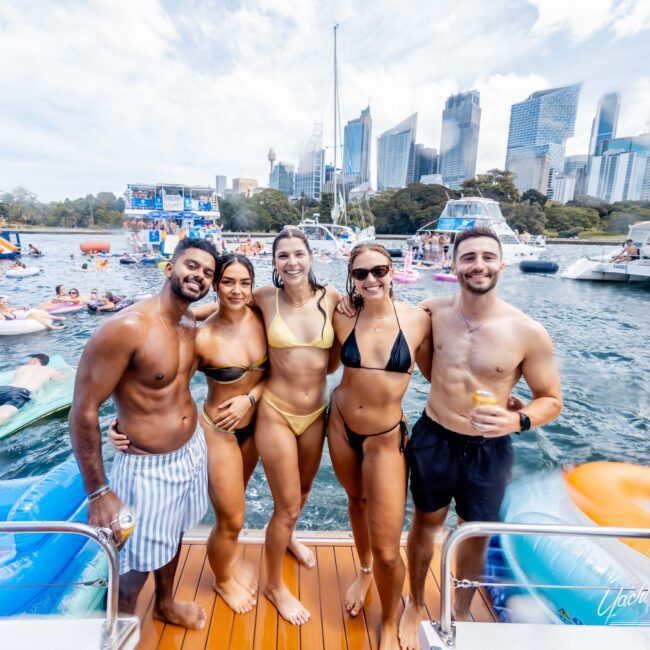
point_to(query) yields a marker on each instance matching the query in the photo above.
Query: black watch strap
(524, 422)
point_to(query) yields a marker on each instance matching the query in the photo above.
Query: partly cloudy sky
(96, 94)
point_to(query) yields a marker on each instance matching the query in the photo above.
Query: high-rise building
(396, 155)
(605, 122)
(283, 178)
(461, 120)
(309, 177)
(245, 186)
(220, 185)
(539, 128)
(426, 162)
(622, 171)
(356, 146)
(577, 166)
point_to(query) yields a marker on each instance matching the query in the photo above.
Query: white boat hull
(600, 269)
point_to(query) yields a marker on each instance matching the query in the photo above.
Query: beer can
(483, 398)
(126, 520)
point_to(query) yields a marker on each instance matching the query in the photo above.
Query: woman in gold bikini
(290, 425)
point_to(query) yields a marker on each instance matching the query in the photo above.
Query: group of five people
(266, 353)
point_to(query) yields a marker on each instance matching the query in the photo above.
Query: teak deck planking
(321, 590)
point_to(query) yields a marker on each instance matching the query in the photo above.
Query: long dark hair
(291, 233)
(356, 299)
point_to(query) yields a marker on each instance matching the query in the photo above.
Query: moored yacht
(614, 265)
(461, 214)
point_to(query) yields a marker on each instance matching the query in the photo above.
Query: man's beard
(178, 288)
(464, 283)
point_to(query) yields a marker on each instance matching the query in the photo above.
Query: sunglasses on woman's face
(74, 293)
(377, 271)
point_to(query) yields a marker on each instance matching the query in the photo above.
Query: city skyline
(205, 89)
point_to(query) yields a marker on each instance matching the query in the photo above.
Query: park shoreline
(89, 232)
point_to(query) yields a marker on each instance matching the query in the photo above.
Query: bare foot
(239, 599)
(355, 596)
(245, 575)
(288, 606)
(189, 615)
(388, 639)
(301, 553)
(409, 626)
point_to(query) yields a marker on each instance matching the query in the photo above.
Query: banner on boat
(447, 223)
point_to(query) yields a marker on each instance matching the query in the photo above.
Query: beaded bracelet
(99, 492)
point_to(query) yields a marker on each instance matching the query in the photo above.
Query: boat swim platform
(321, 590)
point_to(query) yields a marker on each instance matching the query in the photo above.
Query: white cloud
(584, 18)
(95, 94)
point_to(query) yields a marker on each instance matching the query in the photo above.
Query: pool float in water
(445, 277)
(121, 304)
(95, 247)
(36, 569)
(610, 577)
(20, 326)
(407, 275)
(23, 273)
(65, 307)
(53, 397)
(128, 260)
(538, 266)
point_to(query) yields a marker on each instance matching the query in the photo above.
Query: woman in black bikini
(367, 430)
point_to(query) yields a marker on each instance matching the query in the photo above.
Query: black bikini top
(400, 355)
(231, 374)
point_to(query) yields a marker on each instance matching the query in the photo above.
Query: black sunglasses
(377, 271)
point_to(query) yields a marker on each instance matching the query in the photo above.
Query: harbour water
(601, 333)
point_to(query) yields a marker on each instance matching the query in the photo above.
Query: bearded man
(459, 451)
(143, 357)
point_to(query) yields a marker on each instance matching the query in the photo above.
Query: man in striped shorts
(144, 357)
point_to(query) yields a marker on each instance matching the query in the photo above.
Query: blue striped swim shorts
(168, 494)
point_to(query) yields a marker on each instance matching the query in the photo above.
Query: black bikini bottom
(356, 440)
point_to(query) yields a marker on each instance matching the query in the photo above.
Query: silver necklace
(470, 329)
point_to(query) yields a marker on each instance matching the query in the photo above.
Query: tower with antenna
(271, 158)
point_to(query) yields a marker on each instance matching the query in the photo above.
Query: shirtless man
(26, 380)
(458, 451)
(144, 357)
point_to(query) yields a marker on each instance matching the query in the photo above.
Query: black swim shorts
(14, 396)
(446, 465)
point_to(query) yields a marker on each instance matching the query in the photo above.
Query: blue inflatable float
(36, 570)
(571, 580)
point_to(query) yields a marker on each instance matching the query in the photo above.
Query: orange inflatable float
(614, 494)
(95, 247)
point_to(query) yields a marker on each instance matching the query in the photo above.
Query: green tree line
(394, 211)
(404, 211)
(21, 208)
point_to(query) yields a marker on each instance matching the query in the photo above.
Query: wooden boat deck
(320, 589)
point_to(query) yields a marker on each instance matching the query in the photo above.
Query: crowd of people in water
(265, 352)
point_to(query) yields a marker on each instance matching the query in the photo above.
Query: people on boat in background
(290, 428)
(367, 430)
(27, 380)
(17, 265)
(144, 358)
(18, 313)
(458, 450)
(629, 252)
(34, 251)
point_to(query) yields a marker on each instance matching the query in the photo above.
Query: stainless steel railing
(483, 529)
(103, 537)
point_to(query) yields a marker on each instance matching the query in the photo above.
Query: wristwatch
(524, 422)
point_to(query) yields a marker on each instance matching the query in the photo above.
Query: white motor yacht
(613, 265)
(461, 214)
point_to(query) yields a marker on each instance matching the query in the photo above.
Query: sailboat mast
(335, 212)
